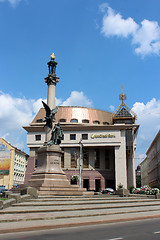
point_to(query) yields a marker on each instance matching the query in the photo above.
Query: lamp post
(80, 163)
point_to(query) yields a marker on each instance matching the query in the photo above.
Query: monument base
(49, 178)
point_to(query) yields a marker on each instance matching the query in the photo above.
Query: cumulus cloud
(14, 3)
(112, 108)
(15, 113)
(114, 24)
(145, 36)
(18, 112)
(149, 119)
(77, 99)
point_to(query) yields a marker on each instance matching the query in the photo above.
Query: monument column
(51, 81)
(49, 172)
(49, 178)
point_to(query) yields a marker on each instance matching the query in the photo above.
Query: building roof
(8, 145)
(153, 142)
(97, 119)
(79, 113)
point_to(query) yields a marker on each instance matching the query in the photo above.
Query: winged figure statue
(49, 115)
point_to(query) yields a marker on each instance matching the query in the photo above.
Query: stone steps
(58, 208)
(85, 202)
(71, 190)
(73, 214)
(73, 210)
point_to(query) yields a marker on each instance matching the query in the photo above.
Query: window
(85, 158)
(62, 120)
(84, 136)
(38, 137)
(72, 136)
(74, 121)
(96, 158)
(107, 159)
(96, 122)
(85, 121)
(74, 156)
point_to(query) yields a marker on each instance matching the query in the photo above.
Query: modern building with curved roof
(98, 146)
(107, 140)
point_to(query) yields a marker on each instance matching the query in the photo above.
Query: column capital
(51, 80)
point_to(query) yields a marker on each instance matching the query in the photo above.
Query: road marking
(157, 232)
(115, 238)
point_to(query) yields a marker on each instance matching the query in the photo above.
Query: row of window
(72, 137)
(18, 176)
(19, 160)
(74, 120)
(84, 136)
(86, 182)
(75, 155)
(19, 165)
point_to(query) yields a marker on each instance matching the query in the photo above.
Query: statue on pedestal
(52, 65)
(56, 135)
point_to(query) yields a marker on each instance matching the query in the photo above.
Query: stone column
(51, 81)
(120, 166)
(131, 180)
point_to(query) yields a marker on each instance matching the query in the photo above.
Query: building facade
(108, 143)
(153, 161)
(13, 163)
(144, 172)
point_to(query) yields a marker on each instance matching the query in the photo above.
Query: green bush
(130, 189)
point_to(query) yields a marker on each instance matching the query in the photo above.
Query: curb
(24, 229)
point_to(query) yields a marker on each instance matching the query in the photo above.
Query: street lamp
(80, 163)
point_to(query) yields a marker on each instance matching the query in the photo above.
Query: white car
(108, 191)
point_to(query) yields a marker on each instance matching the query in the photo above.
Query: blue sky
(99, 45)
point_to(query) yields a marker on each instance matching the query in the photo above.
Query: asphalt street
(135, 230)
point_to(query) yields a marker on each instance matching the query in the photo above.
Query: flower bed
(145, 190)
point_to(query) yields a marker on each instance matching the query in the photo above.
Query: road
(135, 230)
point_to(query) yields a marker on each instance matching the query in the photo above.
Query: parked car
(108, 191)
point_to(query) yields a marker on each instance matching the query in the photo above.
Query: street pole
(80, 164)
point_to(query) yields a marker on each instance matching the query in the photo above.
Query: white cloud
(77, 99)
(18, 112)
(114, 24)
(146, 36)
(15, 113)
(112, 108)
(149, 120)
(38, 104)
(14, 3)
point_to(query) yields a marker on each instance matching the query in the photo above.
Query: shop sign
(93, 136)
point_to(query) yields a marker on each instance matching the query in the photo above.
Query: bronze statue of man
(56, 135)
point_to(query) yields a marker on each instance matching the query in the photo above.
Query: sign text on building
(102, 136)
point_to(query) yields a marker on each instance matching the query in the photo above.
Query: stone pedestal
(122, 192)
(49, 178)
(49, 172)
